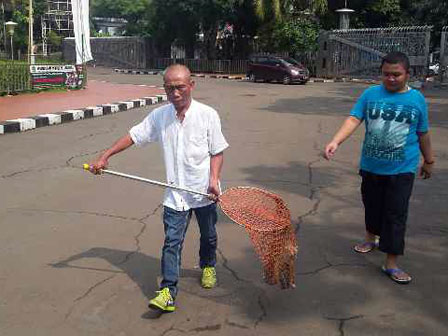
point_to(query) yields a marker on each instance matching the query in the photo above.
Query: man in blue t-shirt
(396, 121)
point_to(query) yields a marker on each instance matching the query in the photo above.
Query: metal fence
(14, 77)
(203, 65)
(358, 52)
(443, 63)
(120, 51)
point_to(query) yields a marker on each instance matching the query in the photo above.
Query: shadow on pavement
(142, 269)
(343, 100)
(334, 101)
(297, 177)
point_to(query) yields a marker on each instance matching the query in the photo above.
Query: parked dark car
(282, 69)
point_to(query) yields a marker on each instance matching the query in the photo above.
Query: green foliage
(242, 16)
(134, 11)
(14, 77)
(296, 35)
(97, 34)
(39, 7)
(20, 37)
(316, 7)
(131, 10)
(387, 12)
(174, 21)
(385, 7)
(212, 15)
(293, 28)
(430, 12)
(54, 38)
(20, 15)
(270, 10)
(183, 20)
(370, 13)
(278, 10)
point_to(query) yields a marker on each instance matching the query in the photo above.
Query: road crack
(30, 170)
(142, 230)
(227, 267)
(68, 162)
(342, 322)
(91, 213)
(86, 293)
(196, 330)
(330, 265)
(235, 325)
(263, 314)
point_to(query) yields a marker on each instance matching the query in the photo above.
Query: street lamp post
(344, 16)
(10, 26)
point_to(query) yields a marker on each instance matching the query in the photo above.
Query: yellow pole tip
(86, 166)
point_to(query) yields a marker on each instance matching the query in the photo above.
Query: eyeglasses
(172, 88)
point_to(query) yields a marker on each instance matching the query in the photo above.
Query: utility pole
(31, 59)
(4, 27)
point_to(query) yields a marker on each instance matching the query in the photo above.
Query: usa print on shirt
(388, 126)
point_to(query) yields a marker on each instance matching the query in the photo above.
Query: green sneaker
(163, 301)
(208, 279)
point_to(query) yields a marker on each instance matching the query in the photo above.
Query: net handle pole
(141, 179)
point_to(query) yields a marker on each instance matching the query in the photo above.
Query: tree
(184, 20)
(384, 12)
(174, 21)
(314, 7)
(54, 39)
(289, 25)
(212, 16)
(270, 10)
(368, 14)
(296, 36)
(244, 25)
(17, 11)
(276, 10)
(429, 12)
(135, 12)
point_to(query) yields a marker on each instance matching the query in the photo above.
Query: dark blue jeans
(176, 225)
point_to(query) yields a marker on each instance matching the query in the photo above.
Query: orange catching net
(267, 220)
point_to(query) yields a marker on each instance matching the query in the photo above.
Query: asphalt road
(80, 254)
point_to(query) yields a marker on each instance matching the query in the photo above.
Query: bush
(14, 77)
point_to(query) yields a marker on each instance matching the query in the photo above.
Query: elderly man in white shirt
(192, 143)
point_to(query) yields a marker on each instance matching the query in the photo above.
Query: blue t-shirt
(392, 121)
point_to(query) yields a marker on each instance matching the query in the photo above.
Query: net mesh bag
(267, 220)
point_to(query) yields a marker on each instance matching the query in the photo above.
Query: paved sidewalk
(28, 111)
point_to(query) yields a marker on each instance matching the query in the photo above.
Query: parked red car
(281, 69)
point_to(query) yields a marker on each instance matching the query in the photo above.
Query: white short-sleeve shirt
(187, 148)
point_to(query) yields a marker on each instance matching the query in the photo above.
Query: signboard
(44, 76)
